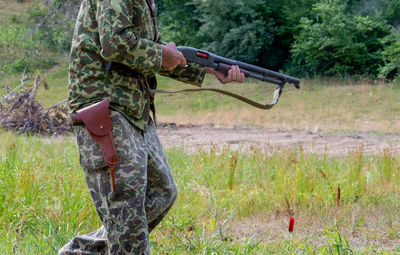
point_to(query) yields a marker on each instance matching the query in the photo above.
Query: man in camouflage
(116, 53)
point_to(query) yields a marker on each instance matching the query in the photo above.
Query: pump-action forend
(224, 65)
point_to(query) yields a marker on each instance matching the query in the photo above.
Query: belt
(122, 69)
(76, 120)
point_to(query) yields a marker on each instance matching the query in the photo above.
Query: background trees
(306, 37)
(302, 37)
(339, 42)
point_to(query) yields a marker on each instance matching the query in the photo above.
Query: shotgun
(223, 65)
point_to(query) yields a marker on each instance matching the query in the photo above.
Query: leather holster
(97, 120)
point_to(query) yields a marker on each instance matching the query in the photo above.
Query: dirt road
(192, 137)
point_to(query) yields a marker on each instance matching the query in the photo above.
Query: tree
(391, 55)
(338, 42)
(54, 22)
(387, 10)
(237, 29)
(177, 22)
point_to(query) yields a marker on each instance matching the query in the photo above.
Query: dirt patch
(192, 137)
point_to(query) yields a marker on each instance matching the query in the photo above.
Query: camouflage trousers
(145, 190)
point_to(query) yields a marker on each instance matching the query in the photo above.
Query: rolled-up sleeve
(118, 41)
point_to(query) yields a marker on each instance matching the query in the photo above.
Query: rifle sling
(277, 94)
(126, 71)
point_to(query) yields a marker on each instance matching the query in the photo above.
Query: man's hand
(233, 75)
(172, 57)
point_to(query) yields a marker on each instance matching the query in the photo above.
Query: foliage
(236, 29)
(56, 31)
(391, 55)
(303, 37)
(255, 31)
(287, 16)
(178, 25)
(20, 65)
(262, 32)
(339, 43)
(387, 10)
(18, 51)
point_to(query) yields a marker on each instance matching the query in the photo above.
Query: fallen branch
(56, 105)
(43, 21)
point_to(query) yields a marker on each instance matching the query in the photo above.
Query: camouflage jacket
(122, 33)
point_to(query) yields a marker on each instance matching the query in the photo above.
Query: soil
(193, 137)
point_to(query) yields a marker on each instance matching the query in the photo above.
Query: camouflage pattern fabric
(124, 32)
(145, 190)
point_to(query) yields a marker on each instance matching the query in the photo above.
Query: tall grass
(230, 202)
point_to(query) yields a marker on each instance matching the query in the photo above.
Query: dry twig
(43, 21)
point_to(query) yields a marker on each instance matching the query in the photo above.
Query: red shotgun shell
(291, 224)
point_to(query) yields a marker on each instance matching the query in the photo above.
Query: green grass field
(229, 202)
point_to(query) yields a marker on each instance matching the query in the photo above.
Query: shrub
(20, 65)
(391, 55)
(242, 30)
(339, 43)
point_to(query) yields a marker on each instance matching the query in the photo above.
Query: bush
(339, 43)
(391, 55)
(242, 30)
(20, 65)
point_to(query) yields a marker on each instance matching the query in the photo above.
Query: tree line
(303, 37)
(309, 38)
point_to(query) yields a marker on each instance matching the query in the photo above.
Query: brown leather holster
(97, 120)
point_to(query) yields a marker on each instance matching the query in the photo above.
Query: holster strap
(97, 120)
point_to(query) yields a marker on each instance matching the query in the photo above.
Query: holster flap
(96, 118)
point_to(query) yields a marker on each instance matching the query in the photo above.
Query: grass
(317, 105)
(230, 202)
